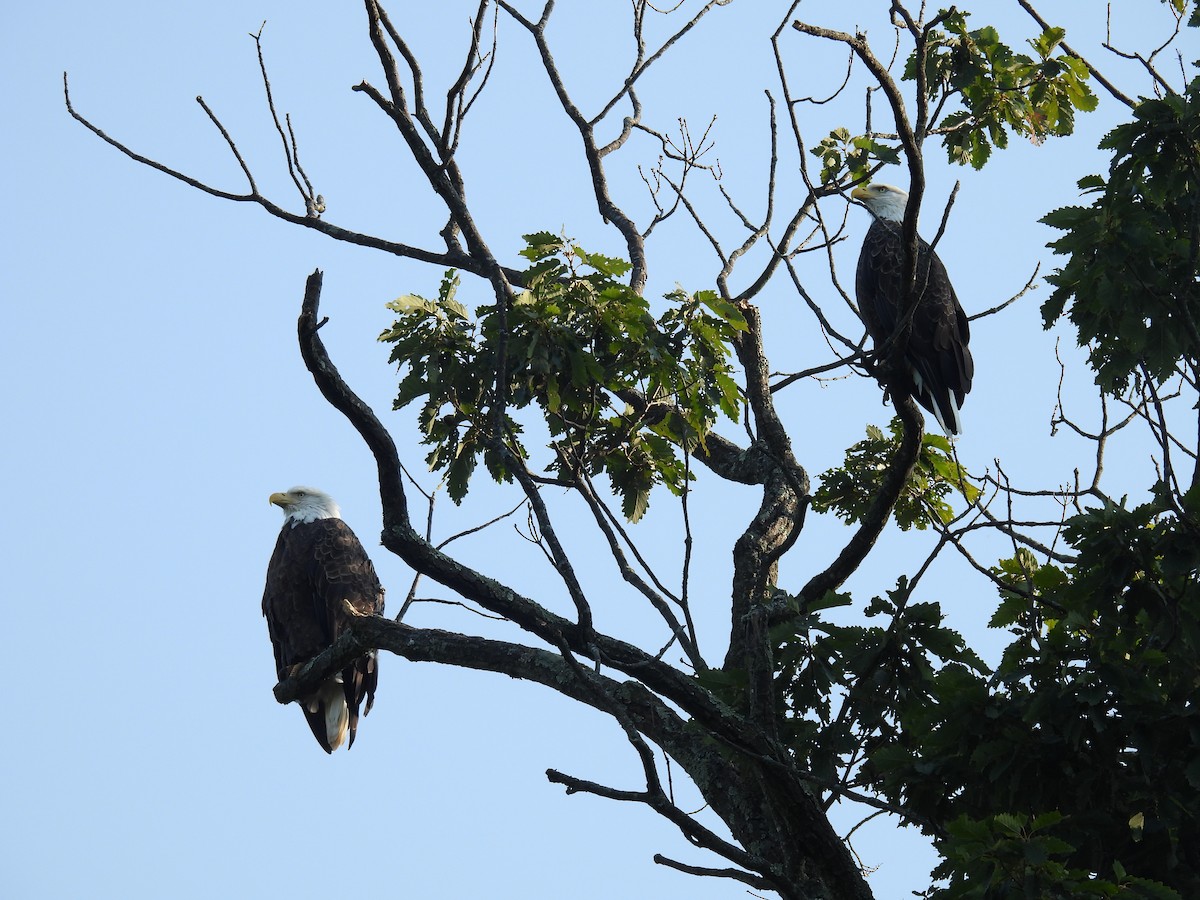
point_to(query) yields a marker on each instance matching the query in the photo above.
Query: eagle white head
(305, 504)
(885, 201)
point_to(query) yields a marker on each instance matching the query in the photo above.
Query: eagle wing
(877, 281)
(342, 571)
(940, 333)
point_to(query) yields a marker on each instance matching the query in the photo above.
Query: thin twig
(292, 163)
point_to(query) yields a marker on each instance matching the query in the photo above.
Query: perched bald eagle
(318, 562)
(938, 361)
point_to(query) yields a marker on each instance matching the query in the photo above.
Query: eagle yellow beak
(861, 192)
(280, 499)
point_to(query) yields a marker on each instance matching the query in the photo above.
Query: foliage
(999, 90)
(1100, 683)
(1087, 733)
(1033, 96)
(851, 158)
(575, 342)
(1073, 770)
(877, 670)
(849, 489)
(1007, 856)
(1134, 253)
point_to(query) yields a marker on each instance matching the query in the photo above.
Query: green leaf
(634, 505)
(541, 245)
(728, 312)
(409, 303)
(846, 159)
(831, 600)
(605, 265)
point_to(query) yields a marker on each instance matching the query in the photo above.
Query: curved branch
(558, 554)
(643, 63)
(910, 140)
(308, 195)
(610, 528)
(713, 774)
(770, 534)
(879, 512)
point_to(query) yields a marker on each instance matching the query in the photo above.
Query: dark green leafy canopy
(878, 670)
(1133, 255)
(578, 345)
(849, 490)
(1074, 769)
(1034, 96)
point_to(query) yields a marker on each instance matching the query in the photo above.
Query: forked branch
(450, 259)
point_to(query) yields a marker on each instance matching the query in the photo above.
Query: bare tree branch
(634, 244)
(454, 260)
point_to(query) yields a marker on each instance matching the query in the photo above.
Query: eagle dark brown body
(315, 567)
(940, 367)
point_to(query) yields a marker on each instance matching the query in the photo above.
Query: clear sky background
(155, 397)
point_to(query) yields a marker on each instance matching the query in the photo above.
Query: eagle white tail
(330, 703)
(925, 397)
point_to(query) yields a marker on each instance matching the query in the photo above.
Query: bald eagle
(939, 365)
(318, 563)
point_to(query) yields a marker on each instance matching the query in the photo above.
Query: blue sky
(155, 399)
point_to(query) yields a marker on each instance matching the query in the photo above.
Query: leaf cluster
(579, 345)
(876, 671)
(1011, 856)
(1034, 96)
(1073, 769)
(849, 489)
(852, 158)
(1134, 254)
